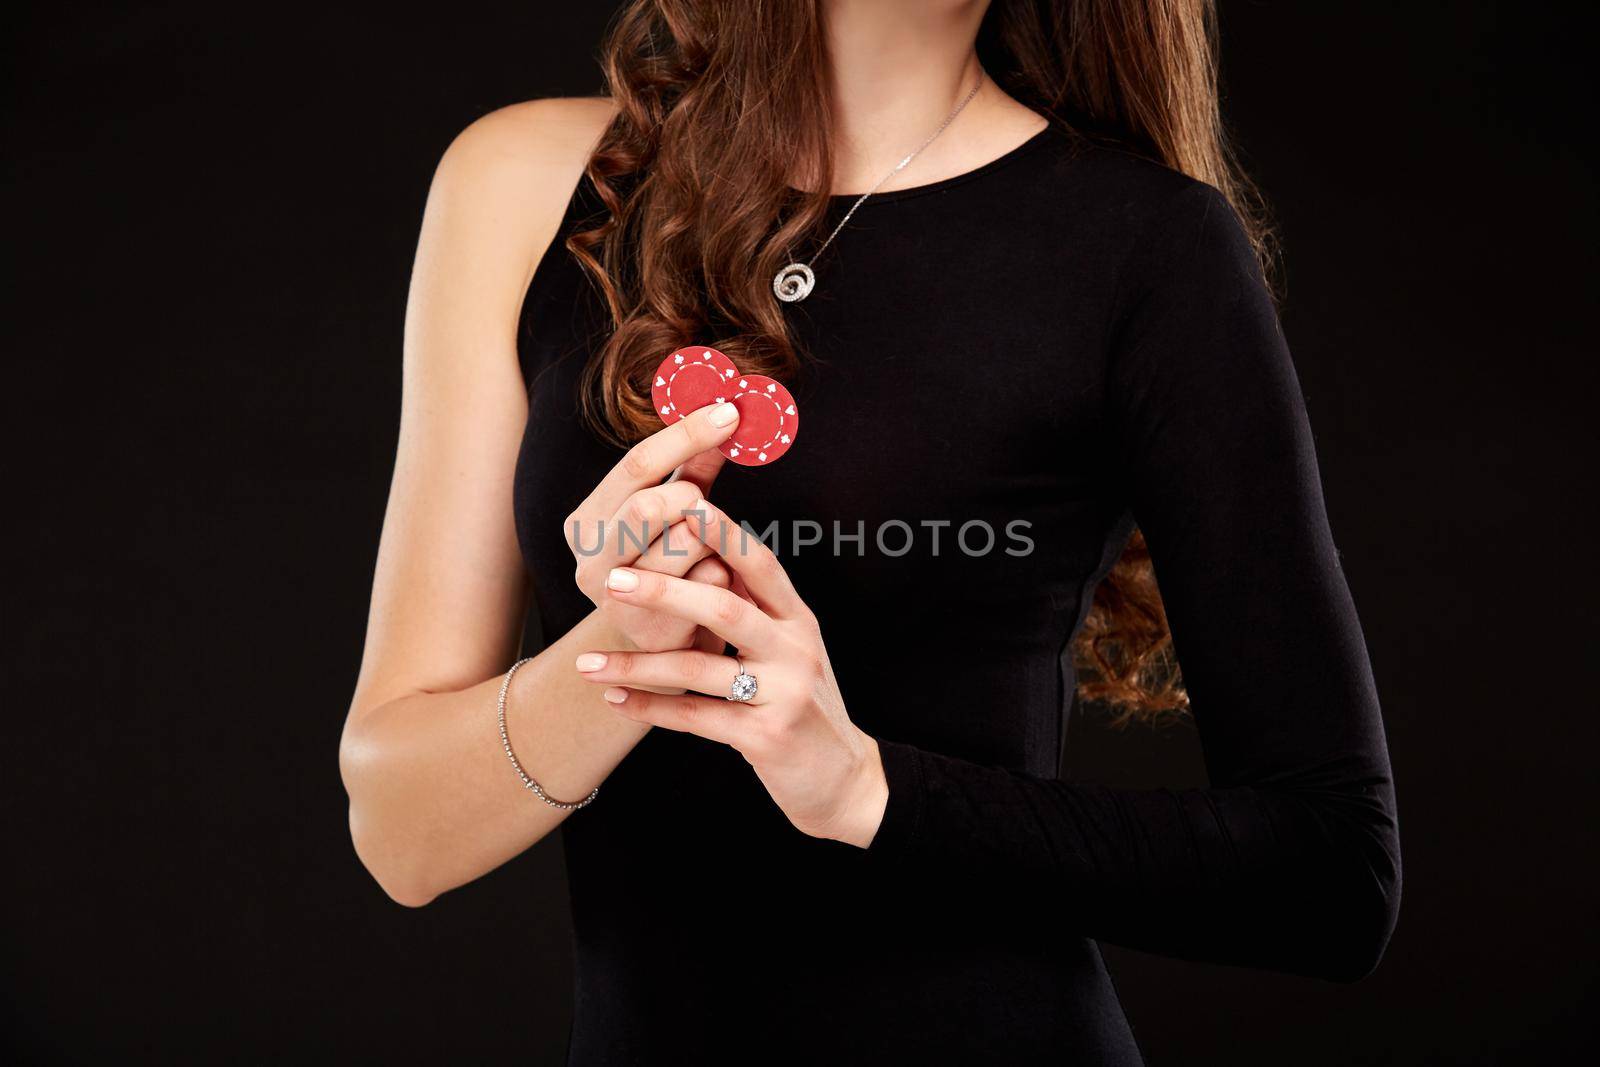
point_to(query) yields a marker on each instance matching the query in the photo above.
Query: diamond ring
(744, 685)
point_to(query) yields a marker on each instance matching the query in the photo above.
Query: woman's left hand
(820, 768)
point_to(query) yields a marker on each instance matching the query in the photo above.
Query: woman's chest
(945, 459)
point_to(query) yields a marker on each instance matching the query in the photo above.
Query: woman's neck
(898, 68)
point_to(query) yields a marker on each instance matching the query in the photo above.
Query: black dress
(1042, 351)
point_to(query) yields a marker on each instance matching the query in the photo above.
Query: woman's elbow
(1359, 942)
(398, 880)
(398, 875)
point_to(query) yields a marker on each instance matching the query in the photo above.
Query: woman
(1049, 326)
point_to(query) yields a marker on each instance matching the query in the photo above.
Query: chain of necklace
(794, 282)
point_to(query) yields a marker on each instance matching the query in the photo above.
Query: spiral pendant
(793, 283)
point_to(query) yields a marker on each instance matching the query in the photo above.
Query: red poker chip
(768, 421)
(691, 378)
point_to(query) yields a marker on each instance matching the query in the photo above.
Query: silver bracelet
(528, 783)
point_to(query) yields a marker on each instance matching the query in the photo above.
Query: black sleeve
(1290, 859)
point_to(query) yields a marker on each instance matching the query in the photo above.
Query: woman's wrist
(867, 798)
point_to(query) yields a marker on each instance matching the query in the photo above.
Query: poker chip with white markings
(768, 421)
(690, 379)
(693, 377)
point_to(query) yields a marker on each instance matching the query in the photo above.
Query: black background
(210, 214)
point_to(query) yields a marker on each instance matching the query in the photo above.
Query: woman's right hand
(633, 519)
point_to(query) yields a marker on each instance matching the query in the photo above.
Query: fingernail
(591, 661)
(615, 695)
(702, 506)
(622, 580)
(723, 414)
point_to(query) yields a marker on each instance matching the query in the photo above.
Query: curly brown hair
(720, 104)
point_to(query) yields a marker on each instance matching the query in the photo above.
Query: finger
(748, 556)
(641, 521)
(724, 721)
(711, 572)
(702, 672)
(702, 469)
(652, 459)
(706, 641)
(678, 552)
(655, 631)
(718, 610)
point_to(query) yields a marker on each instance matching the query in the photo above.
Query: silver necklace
(794, 282)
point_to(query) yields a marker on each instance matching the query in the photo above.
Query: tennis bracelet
(528, 783)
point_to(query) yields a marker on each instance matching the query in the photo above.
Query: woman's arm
(433, 801)
(1291, 859)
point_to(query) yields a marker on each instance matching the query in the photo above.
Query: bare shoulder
(556, 132)
(514, 170)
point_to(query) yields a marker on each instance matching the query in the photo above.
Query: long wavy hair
(722, 103)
